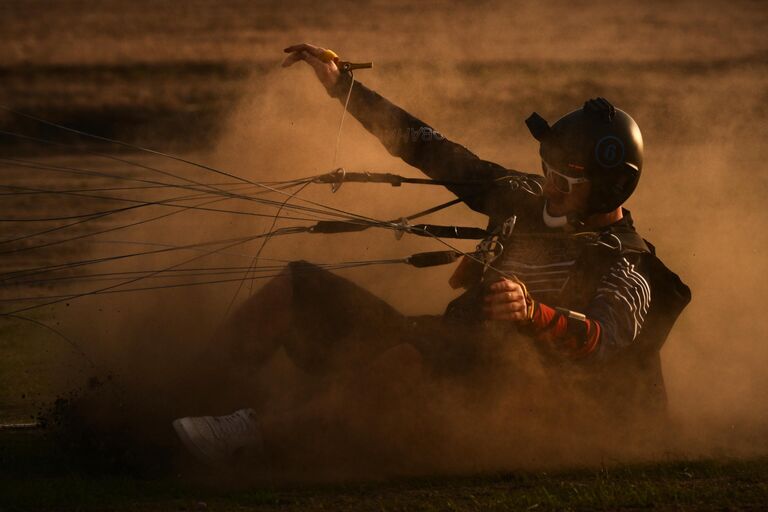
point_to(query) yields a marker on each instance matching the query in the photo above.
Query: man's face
(564, 198)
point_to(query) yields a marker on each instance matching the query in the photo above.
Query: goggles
(562, 182)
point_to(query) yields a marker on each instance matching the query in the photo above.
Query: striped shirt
(547, 263)
(544, 263)
(621, 302)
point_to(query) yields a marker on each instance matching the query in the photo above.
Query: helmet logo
(609, 151)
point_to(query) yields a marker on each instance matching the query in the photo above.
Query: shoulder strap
(625, 241)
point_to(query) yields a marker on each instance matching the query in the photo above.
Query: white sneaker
(215, 439)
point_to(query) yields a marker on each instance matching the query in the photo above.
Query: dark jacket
(612, 276)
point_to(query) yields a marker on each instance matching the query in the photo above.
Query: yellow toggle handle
(328, 56)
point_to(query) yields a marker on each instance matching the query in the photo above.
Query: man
(564, 269)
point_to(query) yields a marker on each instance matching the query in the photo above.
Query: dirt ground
(202, 79)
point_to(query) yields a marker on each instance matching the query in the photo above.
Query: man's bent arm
(612, 321)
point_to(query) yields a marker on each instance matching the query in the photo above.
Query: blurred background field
(165, 73)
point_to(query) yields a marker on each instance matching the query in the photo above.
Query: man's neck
(601, 220)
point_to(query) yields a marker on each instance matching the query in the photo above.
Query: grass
(40, 472)
(44, 478)
(36, 366)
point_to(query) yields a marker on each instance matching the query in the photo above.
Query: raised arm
(402, 134)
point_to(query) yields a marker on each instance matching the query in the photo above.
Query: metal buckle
(508, 227)
(523, 183)
(336, 185)
(490, 248)
(402, 227)
(618, 247)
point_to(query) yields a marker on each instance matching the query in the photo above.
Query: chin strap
(553, 222)
(575, 220)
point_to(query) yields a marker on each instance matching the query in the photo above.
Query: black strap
(342, 176)
(430, 230)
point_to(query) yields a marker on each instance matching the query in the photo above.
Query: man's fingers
(498, 286)
(505, 301)
(319, 65)
(305, 47)
(510, 307)
(326, 69)
(302, 52)
(504, 285)
(507, 296)
(504, 308)
(291, 59)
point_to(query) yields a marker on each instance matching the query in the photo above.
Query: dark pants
(330, 327)
(328, 323)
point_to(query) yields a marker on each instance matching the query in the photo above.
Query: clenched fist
(505, 300)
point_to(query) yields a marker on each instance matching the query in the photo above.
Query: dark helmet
(599, 142)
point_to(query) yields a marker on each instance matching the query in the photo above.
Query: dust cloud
(700, 200)
(693, 76)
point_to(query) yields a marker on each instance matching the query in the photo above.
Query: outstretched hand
(322, 60)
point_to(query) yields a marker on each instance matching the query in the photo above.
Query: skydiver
(574, 278)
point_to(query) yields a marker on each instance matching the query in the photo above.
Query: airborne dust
(693, 76)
